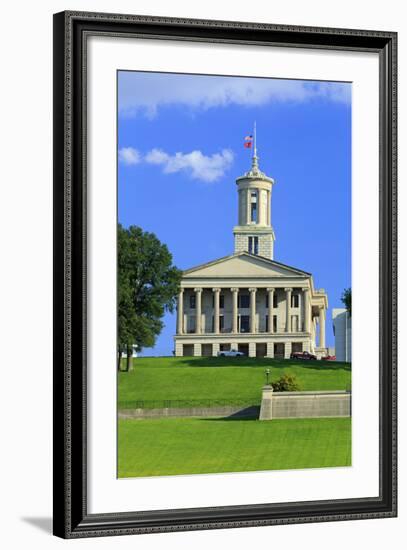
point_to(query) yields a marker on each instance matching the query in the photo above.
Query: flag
(248, 141)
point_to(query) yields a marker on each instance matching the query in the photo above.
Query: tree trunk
(119, 357)
(129, 365)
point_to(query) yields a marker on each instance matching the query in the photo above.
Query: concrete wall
(283, 405)
(304, 404)
(238, 412)
(311, 404)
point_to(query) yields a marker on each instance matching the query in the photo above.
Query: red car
(329, 358)
(304, 355)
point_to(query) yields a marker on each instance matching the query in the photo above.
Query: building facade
(248, 301)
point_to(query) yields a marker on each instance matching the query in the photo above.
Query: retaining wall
(311, 404)
(279, 405)
(238, 412)
(304, 404)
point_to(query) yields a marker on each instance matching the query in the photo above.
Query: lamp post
(267, 377)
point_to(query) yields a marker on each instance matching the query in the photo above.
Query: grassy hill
(195, 378)
(205, 445)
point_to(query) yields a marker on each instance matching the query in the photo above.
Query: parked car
(230, 353)
(304, 355)
(329, 358)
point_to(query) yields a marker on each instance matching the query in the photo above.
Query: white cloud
(129, 156)
(196, 164)
(146, 92)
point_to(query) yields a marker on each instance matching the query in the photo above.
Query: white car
(230, 353)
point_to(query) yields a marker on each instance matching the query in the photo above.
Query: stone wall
(238, 412)
(304, 404)
(279, 405)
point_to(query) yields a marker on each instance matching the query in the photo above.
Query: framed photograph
(224, 274)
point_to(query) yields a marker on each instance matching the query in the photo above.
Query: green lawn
(207, 445)
(183, 378)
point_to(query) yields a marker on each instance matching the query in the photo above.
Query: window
(244, 300)
(253, 247)
(253, 207)
(295, 300)
(256, 245)
(192, 301)
(253, 212)
(244, 323)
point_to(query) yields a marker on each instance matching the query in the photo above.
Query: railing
(189, 403)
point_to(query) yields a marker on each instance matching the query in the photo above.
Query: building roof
(245, 264)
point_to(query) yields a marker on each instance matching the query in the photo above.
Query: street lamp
(267, 376)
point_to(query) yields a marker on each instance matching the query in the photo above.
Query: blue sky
(180, 141)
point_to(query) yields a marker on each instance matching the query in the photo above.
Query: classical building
(247, 301)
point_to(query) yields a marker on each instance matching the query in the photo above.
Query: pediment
(244, 265)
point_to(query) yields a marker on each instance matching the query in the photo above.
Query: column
(252, 309)
(198, 306)
(197, 350)
(235, 293)
(307, 310)
(180, 312)
(270, 349)
(288, 309)
(216, 293)
(252, 349)
(260, 207)
(300, 313)
(287, 350)
(313, 335)
(178, 349)
(268, 207)
(241, 217)
(248, 206)
(321, 327)
(270, 309)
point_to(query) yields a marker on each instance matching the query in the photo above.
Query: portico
(246, 311)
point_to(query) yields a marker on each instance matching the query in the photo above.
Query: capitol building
(248, 301)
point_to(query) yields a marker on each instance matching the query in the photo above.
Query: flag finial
(255, 159)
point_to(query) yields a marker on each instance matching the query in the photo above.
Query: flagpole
(255, 142)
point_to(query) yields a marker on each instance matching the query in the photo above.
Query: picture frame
(71, 33)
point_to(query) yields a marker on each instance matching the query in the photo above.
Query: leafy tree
(148, 285)
(347, 299)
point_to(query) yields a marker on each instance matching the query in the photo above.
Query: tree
(347, 299)
(148, 285)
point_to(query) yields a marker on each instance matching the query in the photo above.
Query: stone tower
(254, 232)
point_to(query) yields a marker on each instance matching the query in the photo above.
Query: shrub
(288, 382)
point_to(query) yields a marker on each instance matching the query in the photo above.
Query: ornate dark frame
(71, 518)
